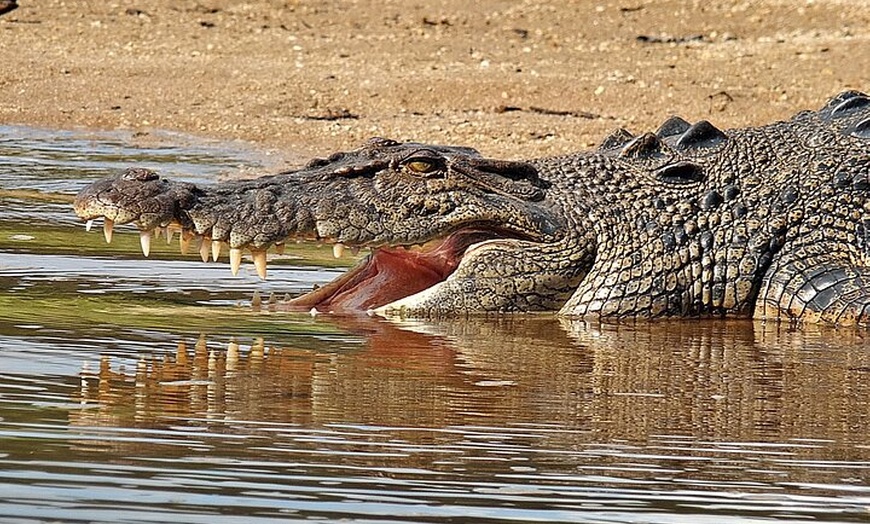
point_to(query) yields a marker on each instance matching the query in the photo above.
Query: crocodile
(769, 222)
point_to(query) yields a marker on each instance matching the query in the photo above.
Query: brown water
(150, 391)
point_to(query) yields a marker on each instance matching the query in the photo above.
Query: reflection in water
(699, 415)
(728, 380)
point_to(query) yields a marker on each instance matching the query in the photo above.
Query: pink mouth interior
(390, 274)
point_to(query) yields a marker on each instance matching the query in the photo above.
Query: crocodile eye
(422, 166)
(139, 174)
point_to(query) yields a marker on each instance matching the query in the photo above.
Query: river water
(140, 390)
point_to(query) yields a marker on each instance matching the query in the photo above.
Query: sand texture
(514, 79)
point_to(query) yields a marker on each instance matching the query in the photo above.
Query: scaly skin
(770, 222)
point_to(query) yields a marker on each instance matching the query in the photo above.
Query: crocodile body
(768, 222)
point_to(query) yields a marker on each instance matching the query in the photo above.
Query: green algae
(113, 312)
(59, 303)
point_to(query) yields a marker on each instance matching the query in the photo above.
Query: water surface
(136, 390)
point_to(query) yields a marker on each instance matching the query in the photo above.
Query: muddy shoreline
(513, 79)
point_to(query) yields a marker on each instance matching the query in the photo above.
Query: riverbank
(513, 79)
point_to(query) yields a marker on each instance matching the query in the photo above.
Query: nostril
(139, 174)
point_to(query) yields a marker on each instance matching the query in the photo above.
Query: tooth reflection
(232, 355)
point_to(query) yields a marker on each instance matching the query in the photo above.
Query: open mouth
(389, 274)
(393, 273)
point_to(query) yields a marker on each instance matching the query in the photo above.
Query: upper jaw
(277, 209)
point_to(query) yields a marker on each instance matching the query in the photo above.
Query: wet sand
(512, 78)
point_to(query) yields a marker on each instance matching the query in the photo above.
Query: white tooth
(256, 300)
(89, 225)
(235, 260)
(314, 312)
(108, 224)
(145, 242)
(260, 262)
(354, 250)
(215, 249)
(204, 248)
(169, 234)
(184, 241)
(338, 250)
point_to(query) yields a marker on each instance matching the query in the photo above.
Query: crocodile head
(436, 218)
